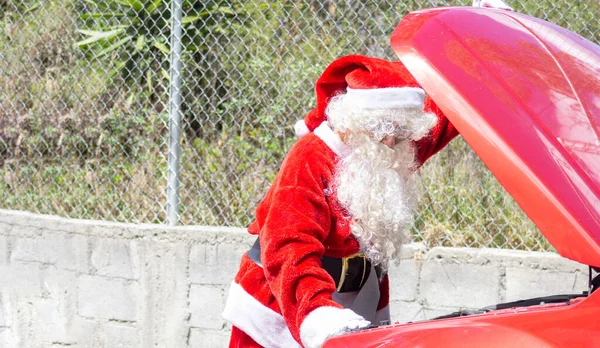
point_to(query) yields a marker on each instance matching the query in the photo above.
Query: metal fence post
(174, 116)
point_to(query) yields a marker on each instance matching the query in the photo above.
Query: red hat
(372, 83)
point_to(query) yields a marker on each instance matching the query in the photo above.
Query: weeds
(83, 118)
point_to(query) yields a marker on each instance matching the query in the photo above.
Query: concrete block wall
(430, 283)
(77, 283)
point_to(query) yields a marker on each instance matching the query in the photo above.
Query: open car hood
(525, 95)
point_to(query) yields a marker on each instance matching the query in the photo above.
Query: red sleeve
(296, 224)
(440, 135)
(384, 292)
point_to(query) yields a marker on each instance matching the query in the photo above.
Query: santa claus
(338, 210)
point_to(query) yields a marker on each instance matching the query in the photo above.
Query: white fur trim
(331, 139)
(387, 98)
(264, 325)
(300, 128)
(326, 322)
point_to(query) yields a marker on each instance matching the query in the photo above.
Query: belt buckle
(345, 269)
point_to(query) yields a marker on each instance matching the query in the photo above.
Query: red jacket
(298, 222)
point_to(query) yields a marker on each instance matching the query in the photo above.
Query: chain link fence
(84, 109)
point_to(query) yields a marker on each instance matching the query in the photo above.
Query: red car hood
(572, 324)
(525, 95)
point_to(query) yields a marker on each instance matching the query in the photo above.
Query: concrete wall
(81, 283)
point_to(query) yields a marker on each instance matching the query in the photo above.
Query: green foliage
(83, 108)
(131, 38)
(462, 203)
(578, 16)
(254, 83)
(13, 8)
(92, 190)
(67, 134)
(132, 33)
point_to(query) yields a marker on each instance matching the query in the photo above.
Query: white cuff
(325, 322)
(386, 98)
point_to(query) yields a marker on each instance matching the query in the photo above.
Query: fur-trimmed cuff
(325, 322)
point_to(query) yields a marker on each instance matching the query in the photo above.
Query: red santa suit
(288, 301)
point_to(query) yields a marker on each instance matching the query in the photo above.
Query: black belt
(349, 273)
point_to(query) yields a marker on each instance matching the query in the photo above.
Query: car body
(525, 95)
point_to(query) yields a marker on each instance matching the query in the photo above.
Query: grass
(130, 191)
(462, 204)
(78, 140)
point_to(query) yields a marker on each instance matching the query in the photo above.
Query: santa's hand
(499, 4)
(326, 322)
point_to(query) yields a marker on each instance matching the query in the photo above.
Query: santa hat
(371, 83)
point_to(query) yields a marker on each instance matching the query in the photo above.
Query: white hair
(406, 123)
(374, 182)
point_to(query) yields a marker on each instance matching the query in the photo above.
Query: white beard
(374, 185)
(374, 182)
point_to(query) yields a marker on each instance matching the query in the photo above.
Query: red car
(525, 95)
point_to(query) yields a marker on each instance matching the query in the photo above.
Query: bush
(83, 108)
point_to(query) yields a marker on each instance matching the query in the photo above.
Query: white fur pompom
(300, 128)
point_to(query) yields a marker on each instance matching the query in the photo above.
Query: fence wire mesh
(84, 104)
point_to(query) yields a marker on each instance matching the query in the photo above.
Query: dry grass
(77, 141)
(462, 204)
